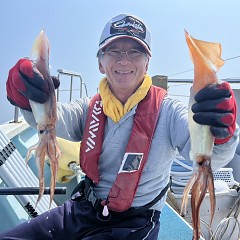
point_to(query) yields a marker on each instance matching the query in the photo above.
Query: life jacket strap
(85, 188)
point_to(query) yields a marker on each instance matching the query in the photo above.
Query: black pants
(76, 219)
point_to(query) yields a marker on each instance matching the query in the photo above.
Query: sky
(73, 28)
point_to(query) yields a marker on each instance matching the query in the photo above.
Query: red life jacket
(124, 188)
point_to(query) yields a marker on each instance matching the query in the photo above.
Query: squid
(46, 116)
(206, 57)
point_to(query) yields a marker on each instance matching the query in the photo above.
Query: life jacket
(125, 186)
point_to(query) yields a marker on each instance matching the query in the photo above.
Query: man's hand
(26, 82)
(216, 106)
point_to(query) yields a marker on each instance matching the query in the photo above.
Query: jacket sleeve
(180, 138)
(71, 119)
(224, 153)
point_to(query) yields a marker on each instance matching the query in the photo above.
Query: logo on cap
(129, 26)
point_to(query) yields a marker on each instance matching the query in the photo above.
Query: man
(134, 121)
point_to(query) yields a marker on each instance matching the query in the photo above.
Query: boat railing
(162, 81)
(72, 75)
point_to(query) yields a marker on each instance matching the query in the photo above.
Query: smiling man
(129, 135)
(125, 63)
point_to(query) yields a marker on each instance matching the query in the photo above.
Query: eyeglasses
(132, 54)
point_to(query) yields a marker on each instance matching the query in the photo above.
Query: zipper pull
(105, 211)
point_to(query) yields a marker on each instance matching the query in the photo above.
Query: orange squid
(206, 57)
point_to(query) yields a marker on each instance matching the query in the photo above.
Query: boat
(19, 185)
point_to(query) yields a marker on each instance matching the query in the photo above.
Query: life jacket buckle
(91, 197)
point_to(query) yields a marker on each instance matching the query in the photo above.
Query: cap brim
(112, 39)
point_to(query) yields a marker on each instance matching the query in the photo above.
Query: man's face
(124, 73)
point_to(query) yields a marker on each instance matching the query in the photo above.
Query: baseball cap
(127, 26)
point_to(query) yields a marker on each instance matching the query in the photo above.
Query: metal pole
(58, 89)
(81, 83)
(29, 190)
(71, 85)
(16, 113)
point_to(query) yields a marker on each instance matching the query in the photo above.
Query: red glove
(216, 106)
(26, 82)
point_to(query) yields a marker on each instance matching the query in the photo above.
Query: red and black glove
(216, 106)
(26, 82)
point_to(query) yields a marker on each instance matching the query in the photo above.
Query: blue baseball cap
(126, 26)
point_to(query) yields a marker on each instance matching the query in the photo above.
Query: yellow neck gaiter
(112, 107)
